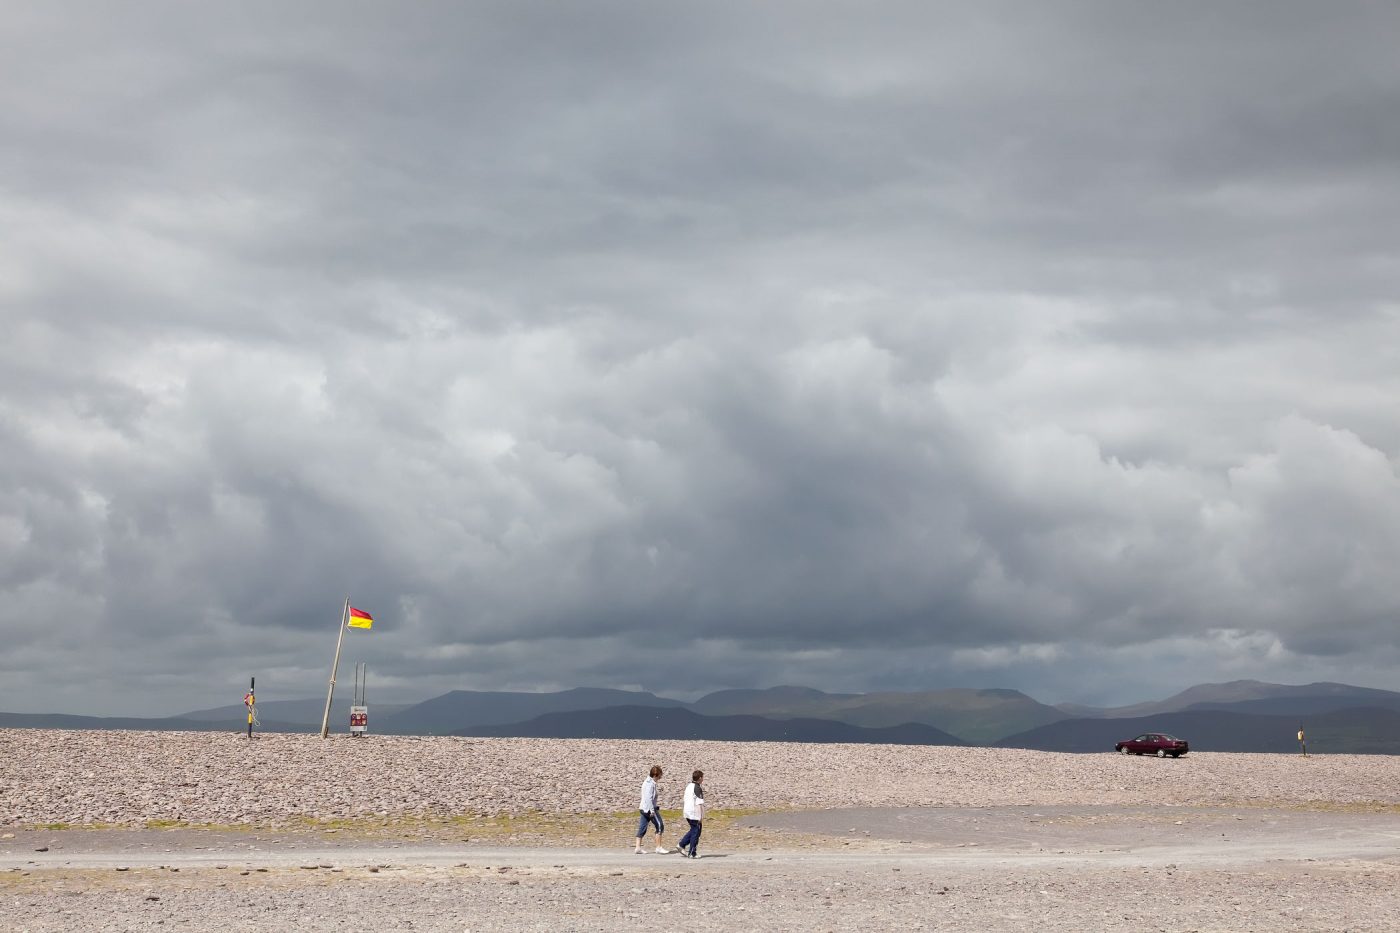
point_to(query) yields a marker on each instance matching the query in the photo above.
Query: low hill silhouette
(1363, 731)
(1301, 705)
(302, 712)
(1249, 696)
(139, 724)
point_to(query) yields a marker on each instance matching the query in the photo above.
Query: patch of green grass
(206, 827)
(527, 825)
(1318, 806)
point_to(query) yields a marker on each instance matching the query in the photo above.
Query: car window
(1141, 738)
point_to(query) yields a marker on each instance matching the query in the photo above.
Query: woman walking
(694, 815)
(650, 811)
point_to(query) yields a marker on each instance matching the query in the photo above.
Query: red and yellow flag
(360, 619)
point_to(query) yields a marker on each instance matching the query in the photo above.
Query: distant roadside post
(1303, 743)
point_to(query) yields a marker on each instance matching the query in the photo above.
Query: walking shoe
(663, 851)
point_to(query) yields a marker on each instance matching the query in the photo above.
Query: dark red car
(1154, 743)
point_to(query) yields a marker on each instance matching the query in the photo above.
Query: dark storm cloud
(696, 347)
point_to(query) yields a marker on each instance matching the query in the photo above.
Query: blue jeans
(692, 836)
(650, 819)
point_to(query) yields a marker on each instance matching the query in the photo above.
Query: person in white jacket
(650, 812)
(694, 815)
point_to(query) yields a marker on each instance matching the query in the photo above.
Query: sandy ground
(289, 832)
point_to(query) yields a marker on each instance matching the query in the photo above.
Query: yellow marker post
(251, 702)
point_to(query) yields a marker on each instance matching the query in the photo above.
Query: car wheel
(1161, 753)
(1123, 749)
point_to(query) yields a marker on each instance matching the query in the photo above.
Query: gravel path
(711, 894)
(129, 778)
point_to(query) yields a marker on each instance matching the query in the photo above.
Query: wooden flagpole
(330, 691)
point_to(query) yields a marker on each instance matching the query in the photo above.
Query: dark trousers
(650, 819)
(692, 836)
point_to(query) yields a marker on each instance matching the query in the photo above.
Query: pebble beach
(135, 778)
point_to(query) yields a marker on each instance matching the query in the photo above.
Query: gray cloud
(696, 348)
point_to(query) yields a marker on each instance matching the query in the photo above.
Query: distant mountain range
(657, 722)
(1241, 715)
(976, 716)
(454, 711)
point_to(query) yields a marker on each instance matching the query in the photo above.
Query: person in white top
(650, 812)
(694, 815)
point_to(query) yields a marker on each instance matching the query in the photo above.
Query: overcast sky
(689, 346)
